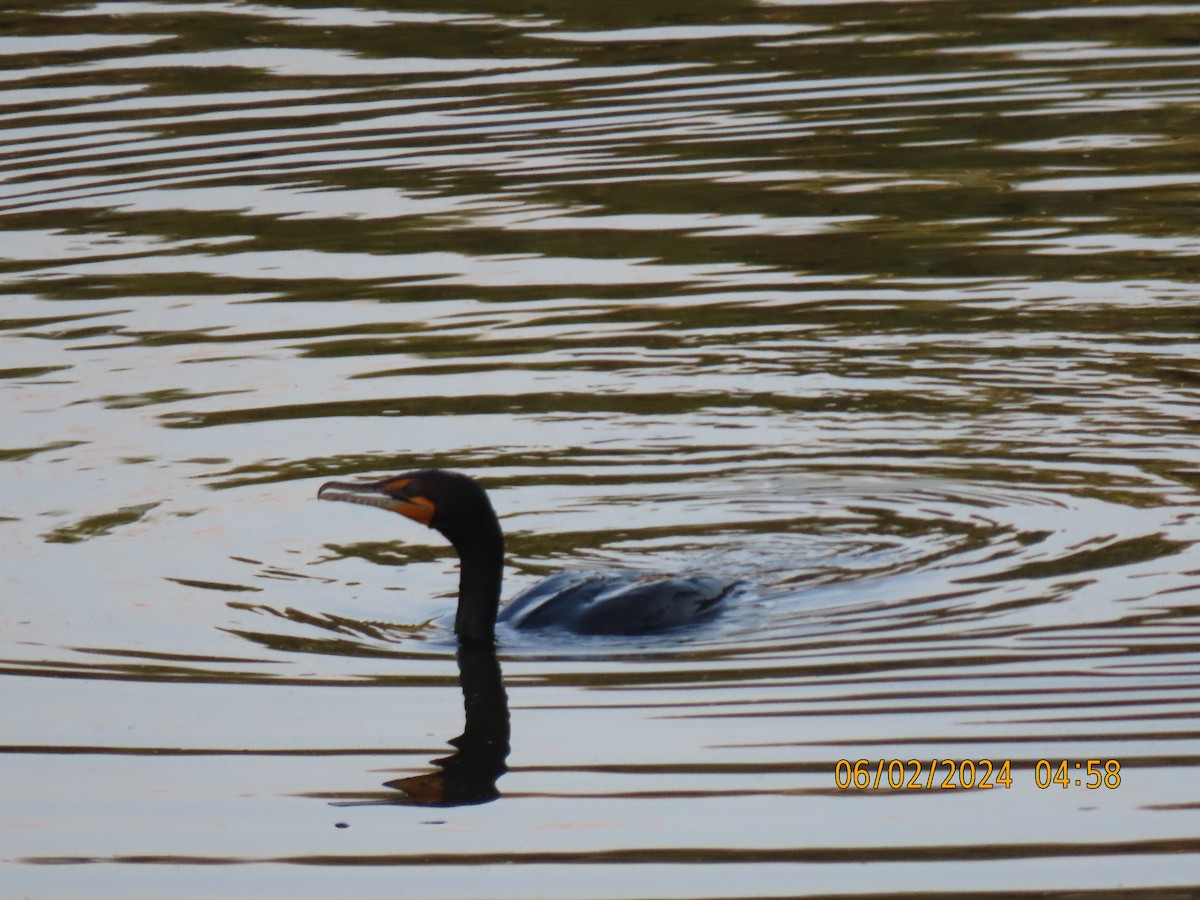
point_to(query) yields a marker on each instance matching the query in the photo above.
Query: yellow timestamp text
(1093, 773)
(969, 774)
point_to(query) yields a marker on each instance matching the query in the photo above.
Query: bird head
(448, 502)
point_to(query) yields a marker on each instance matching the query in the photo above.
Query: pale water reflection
(889, 310)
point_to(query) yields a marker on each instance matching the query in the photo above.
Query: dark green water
(890, 310)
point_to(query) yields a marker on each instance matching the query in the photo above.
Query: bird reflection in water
(469, 775)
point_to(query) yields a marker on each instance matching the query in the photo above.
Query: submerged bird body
(615, 602)
(455, 505)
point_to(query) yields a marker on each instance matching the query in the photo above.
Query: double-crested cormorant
(585, 603)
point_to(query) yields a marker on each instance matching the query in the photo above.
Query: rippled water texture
(889, 310)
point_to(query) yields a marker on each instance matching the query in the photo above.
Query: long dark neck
(481, 568)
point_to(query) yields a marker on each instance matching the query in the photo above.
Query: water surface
(889, 310)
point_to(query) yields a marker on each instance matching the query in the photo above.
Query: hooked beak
(379, 493)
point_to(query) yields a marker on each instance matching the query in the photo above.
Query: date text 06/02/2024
(967, 774)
